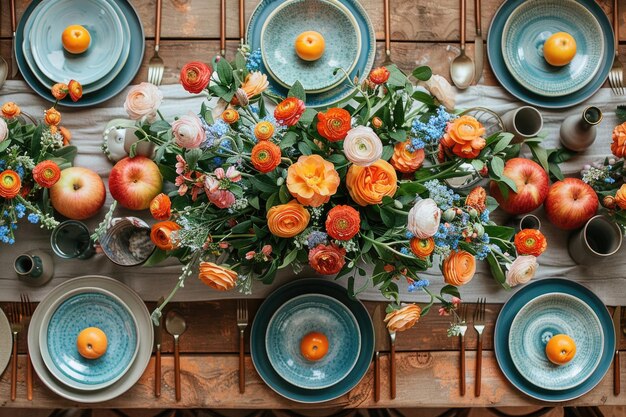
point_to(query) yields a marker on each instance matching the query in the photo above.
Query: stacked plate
(109, 64)
(302, 308)
(515, 50)
(77, 304)
(350, 45)
(534, 315)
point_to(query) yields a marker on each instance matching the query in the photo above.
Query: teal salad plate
(340, 91)
(333, 21)
(303, 315)
(495, 53)
(77, 312)
(511, 310)
(107, 39)
(547, 316)
(260, 325)
(523, 37)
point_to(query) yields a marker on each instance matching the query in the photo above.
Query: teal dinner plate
(117, 84)
(342, 90)
(107, 40)
(495, 54)
(260, 325)
(511, 309)
(547, 316)
(523, 37)
(307, 314)
(333, 21)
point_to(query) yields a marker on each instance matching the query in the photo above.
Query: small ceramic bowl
(127, 241)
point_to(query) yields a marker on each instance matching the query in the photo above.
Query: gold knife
(158, 336)
(478, 44)
(381, 343)
(13, 26)
(617, 326)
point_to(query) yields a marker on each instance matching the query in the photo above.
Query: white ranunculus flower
(442, 90)
(424, 218)
(143, 101)
(522, 270)
(4, 130)
(362, 146)
(188, 131)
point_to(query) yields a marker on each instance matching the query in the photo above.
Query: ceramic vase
(599, 239)
(34, 268)
(523, 122)
(578, 133)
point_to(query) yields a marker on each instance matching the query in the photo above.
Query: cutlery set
(478, 322)
(619, 323)
(19, 318)
(463, 70)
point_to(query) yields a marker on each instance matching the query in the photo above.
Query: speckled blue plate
(301, 316)
(89, 308)
(517, 302)
(547, 316)
(525, 32)
(496, 59)
(260, 324)
(333, 21)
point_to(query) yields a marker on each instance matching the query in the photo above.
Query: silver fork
(15, 318)
(616, 75)
(462, 329)
(242, 323)
(155, 65)
(479, 325)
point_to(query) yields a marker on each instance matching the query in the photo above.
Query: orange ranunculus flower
(368, 185)
(405, 159)
(620, 197)
(263, 130)
(312, 180)
(161, 235)
(334, 124)
(161, 207)
(343, 222)
(52, 117)
(477, 199)
(230, 116)
(379, 75)
(288, 111)
(11, 110)
(46, 173)
(288, 220)
(255, 83)
(422, 248)
(265, 156)
(403, 318)
(59, 91)
(217, 277)
(66, 134)
(10, 184)
(195, 76)
(459, 268)
(618, 146)
(75, 90)
(464, 137)
(327, 259)
(530, 242)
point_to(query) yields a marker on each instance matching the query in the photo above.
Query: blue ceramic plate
(125, 76)
(333, 21)
(496, 59)
(517, 302)
(547, 316)
(303, 315)
(107, 39)
(79, 311)
(525, 32)
(260, 324)
(343, 90)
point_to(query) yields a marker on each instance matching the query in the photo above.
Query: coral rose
(254, 84)
(423, 219)
(75, 89)
(368, 185)
(46, 173)
(222, 198)
(195, 76)
(52, 117)
(288, 220)
(327, 259)
(404, 318)
(334, 124)
(265, 156)
(343, 222)
(477, 199)
(618, 146)
(620, 197)
(379, 75)
(143, 101)
(162, 234)
(264, 130)
(188, 131)
(522, 270)
(530, 242)
(230, 116)
(362, 146)
(161, 207)
(288, 111)
(464, 137)
(10, 184)
(422, 248)
(312, 180)
(59, 91)
(10, 110)
(217, 277)
(459, 268)
(4, 130)
(406, 160)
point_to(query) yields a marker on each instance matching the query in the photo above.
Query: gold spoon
(176, 325)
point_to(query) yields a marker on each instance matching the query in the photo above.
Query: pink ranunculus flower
(232, 174)
(220, 173)
(424, 218)
(4, 130)
(522, 270)
(211, 184)
(222, 198)
(188, 131)
(362, 146)
(143, 101)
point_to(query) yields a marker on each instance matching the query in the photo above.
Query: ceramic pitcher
(578, 133)
(34, 267)
(599, 239)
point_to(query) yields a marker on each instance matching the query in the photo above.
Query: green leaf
(270, 274)
(283, 194)
(271, 201)
(242, 227)
(67, 152)
(423, 97)
(259, 184)
(308, 116)
(540, 154)
(422, 73)
(159, 126)
(398, 114)
(396, 77)
(4, 145)
(254, 202)
(158, 256)
(289, 139)
(133, 150)
(502, 143)
(192, 156)
(387, 152)
(297, 90)
(224, 72)
(504, 189)
(497, 167)
(556, 171)
(450, 290)
(35, 144)
(478, 164)
(399, 135)
(240, 61)
(508, 181)
(387, 216)
(620, 112)
(337, 159)
(291, 256)
(501, 232)
(304, 148)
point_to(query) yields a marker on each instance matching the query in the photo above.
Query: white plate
(6, 342)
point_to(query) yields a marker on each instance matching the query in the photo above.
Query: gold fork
(479, 325)
(462, 329)
(242, 323)
(27, 308)
(15, 318)
(616, 75)
(155, 65)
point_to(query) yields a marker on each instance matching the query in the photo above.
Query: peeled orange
(560, 349)
(91, 343)
(310, 45)
(314, 346)
(76, 39)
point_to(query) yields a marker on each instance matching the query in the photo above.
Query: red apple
(532, 186)
(570, 203)
(134, 182)
(79, 193)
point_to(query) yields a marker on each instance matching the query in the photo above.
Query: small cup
(127, 241)
(527, 221)
(597, 240)
(34, 268)
(71, 239)
(524, 122)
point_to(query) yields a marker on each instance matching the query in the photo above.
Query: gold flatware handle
(242, 369)
(157, 373)
(29, 378)
(14, 369)
(462, 367)
(392, 371)
(479, 366)
(157, 34)
(222, 27)
(387, 27)
(616, 25)
(616, 374)
(377, 377)
(177, 370)
(242, 20)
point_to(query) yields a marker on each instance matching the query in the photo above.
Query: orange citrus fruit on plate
(310, 45)
(559, 49)
(314, 346)
(91, 343)
(560, 349)
(76, 39)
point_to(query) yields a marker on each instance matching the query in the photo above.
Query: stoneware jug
(34, 268)
(578, 133)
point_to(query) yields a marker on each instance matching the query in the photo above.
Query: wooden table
(423, 32)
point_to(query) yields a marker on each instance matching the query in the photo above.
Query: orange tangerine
(91, 343)
(314, 346)
(559, 49)
(76, 39)
(310, 45)
(560, 349)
